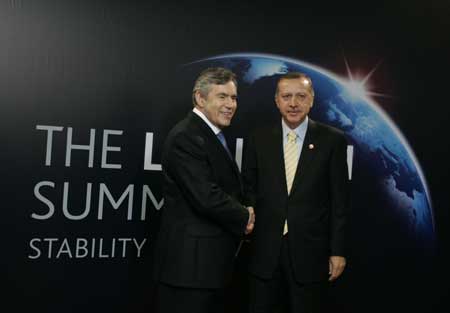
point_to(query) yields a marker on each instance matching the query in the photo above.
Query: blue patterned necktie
(224, 143)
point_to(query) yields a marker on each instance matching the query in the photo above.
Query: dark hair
(296, 75)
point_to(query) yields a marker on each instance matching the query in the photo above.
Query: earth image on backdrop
(391, 219)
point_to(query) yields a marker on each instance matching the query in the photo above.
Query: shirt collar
(300, 130)
(214, 128)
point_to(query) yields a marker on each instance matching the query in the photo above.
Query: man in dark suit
(203, 219)
(296, 177)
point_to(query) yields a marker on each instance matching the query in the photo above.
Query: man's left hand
(337, 265)
(251, 220)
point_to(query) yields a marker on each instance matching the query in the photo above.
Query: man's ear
(199, 99)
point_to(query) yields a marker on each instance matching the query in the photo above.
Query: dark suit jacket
(202, 218)
(316, 208)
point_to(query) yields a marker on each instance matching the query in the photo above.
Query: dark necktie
(224, 143)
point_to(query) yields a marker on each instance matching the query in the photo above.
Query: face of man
(294, 100)
(219, 105)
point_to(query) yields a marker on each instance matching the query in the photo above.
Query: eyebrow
(294, 93)
(226, 94)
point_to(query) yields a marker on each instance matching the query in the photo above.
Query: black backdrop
(112, 65)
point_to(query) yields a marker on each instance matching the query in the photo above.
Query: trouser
(282, 293)
(173, 299)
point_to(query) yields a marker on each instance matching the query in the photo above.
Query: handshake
(251, 220)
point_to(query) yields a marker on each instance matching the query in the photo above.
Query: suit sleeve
(250, 172)
(188, 163)
(340, 198)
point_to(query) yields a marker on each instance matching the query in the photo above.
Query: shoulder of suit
(187, 131)
(327, 129)
(329, 133)
(264, 131)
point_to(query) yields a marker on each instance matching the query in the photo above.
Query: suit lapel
(307, 155)
(215, 142)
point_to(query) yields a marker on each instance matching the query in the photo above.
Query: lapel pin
(311, 146)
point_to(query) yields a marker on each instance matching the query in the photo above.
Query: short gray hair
(212, 76)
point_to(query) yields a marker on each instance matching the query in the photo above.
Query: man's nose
(230, 103)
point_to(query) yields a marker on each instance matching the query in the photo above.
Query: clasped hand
(251, 220)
